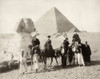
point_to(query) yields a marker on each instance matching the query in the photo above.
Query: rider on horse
(76, 38)
(35, 44)
(48, 47)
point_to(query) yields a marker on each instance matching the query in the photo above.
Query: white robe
(35, 61)
(23, 64)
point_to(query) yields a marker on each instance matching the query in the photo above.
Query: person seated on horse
(48, 47)
(48, 43)
(35, 44)
(76, 38)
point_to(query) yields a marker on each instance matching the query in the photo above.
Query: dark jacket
(48, 45)
(87, 50)
(66, 44)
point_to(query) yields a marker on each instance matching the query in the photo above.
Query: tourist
(35, 44)
(35, 61)
(88, 53)
(65, 50)
(48, 47)
(78, 54)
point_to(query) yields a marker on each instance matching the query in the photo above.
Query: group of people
(76, 52)
(69, 52)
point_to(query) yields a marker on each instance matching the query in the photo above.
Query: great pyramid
(74, 29)
(53, 21)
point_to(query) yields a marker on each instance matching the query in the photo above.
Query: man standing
(88, 53)
(64, 55)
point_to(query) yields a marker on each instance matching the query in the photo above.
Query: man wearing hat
(36, 44)
(64, 56)
(48, 47)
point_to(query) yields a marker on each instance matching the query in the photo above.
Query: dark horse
(55, 53)
(43, 55)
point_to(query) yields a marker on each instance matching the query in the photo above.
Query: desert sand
(56, 72)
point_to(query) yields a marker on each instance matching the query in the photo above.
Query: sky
(84, 14)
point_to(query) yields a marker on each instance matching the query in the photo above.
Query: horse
(78, 54)
(55, 53)
(43, 55)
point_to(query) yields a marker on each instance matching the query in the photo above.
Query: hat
(49, 36)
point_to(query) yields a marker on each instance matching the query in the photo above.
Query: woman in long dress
(78, 54)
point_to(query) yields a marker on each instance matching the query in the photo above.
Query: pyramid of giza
(74, 29)
(53, 21)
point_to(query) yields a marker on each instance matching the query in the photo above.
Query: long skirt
(23, 66)
(79, 59)
(35, 62)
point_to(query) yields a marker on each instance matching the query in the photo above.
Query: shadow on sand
(49, 69)
(95, 62)
(7, 69)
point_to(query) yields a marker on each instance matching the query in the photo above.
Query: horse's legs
(51, 60)
(45, 62)
(31, 62)
(56, 60)
(31, 65)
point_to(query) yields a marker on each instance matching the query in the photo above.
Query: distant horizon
(41, 34)
(84, 14)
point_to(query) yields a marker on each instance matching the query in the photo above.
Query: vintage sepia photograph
(49, 39)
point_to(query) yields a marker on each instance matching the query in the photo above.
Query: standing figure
(23, 62)
(70, 56)
(64, 51)
(78, 54)
(35, 61)
(31, 55)
(88, 53)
